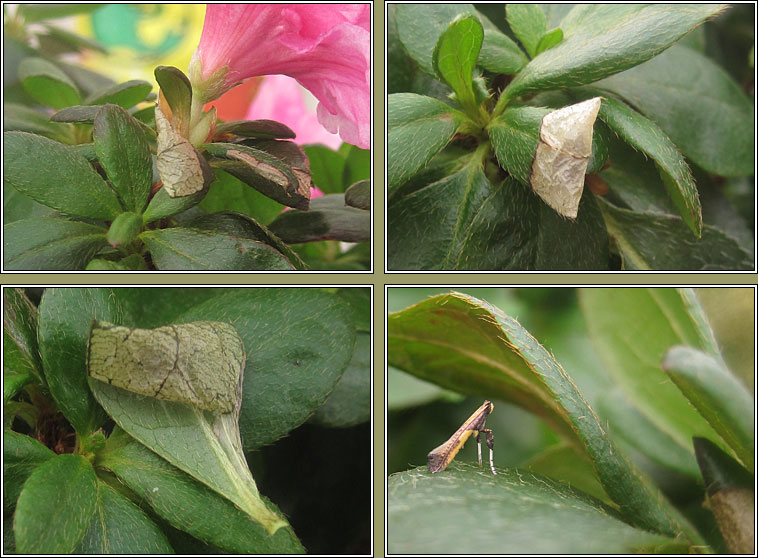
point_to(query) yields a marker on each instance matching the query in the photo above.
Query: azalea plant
(623, 421)
(95, 465)
(562, 137)
(105, 176)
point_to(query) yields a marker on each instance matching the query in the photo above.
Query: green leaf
(527, 21)
(712, 389)
(20, 350)
(55, 506)
(41, 12)
(650, 240)
(26, 119)
(120, 527)
(47, 83)
(83, 114)
(327, 167)
(263, 129)
(357, 165)
(463, 222)
(124, 154)
(455, 56)
(328, 218)
(603, 39)
(125, 95)
(542, 515)
(302, 341)
(287, 184)
(419, 127)
(228, 193)
(65, 320)
(549, 40)
(192, 249)
(358, 195)
(162, 205)
(57, 176)
(49, 244)
(189, 505)
(350, 402)
(631, 329)
(177, 90)
(133, 262)
(124, 229)
(21, 456)
(715, 131)
(56, 41)
(515, 135)
(465, 344)
(420, 25)
(646, 136)
(239, 225)
(204, 445)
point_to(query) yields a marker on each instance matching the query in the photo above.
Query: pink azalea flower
(280, 98)
(325, 47)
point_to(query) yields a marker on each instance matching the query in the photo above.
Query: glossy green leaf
(65, 320)
(21, 456)
(124, 229)
(717, 395)
(41, 12)
(26, 119)
(549, 40)
(465, 344)
(20, 349)
(124, 154)
(188, 504)
(468, 224)
(542, 516)
(327, 168)
(714, 131)
(118, 526)
(77, 113)
(125, 95)
(203, 444)
(455, 56)
(282, 182)
(133, 262)
(302, 341)
(358, 195)
(419, 127)
(646, 136)
(515, 135)
(177, 90)
(350, 402)
(603, 39)
(527, 21)
(328, 218)
(49, 244)
(650, 240)
(420, 25)
(47, 83)
(631, 329)
(57, 176)
(55, 506)
(56, 41)
(162, 205)
(244, 226)
(264, 129)
(228, 193)
(186, 249)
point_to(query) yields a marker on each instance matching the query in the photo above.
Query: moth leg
(491, 445)
(479, 446)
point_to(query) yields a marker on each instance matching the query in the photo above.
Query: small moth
(440, 457)
(562, 156)
(199, 363)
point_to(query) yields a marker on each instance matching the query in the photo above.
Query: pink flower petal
(325, 47)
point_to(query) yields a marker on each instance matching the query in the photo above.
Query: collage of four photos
(281, 278)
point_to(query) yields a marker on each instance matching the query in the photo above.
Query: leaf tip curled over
(562, 156)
